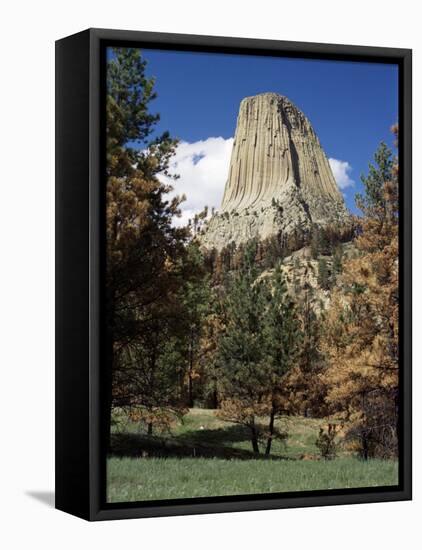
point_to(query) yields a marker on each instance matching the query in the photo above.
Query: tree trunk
(271, 431)
(365, 450)
(190, 390)
(215, 398)
(365, 447)
(107, 389)
(190, 380)
(149, 428)
(254, 439)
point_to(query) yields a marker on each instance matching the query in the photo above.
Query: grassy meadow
(205, 456)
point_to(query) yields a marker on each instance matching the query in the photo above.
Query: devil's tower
(279, 177)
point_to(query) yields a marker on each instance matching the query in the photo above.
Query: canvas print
(251, 289)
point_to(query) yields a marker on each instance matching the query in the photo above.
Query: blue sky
(350, 105)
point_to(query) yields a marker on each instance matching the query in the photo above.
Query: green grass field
(205, 456)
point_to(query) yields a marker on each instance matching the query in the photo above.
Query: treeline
(321, 240)
(186, 329)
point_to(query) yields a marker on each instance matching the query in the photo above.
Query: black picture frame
(80, 457)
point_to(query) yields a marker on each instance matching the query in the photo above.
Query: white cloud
(203, 169)
(341, 170)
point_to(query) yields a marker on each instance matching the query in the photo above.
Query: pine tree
(323, 274)
(212, 330)
(319, 242)
(315, 242)
(195, 297)
(144, 252)
(362, 323)
(304, 392)
(374, 182)
(282, 344)
(241, 349)
(337, 260)
(258, 347)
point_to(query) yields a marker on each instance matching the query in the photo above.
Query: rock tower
(279, 177)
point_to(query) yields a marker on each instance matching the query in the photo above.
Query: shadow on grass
(198, 444)
(223, 436)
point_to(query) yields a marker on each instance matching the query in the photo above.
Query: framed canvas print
(233, 274)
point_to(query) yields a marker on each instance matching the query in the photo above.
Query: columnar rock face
(279, 177)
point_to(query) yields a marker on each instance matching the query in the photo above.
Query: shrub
(326, 442)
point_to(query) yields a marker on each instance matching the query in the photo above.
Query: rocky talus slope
(301, 273)
(279, 177)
